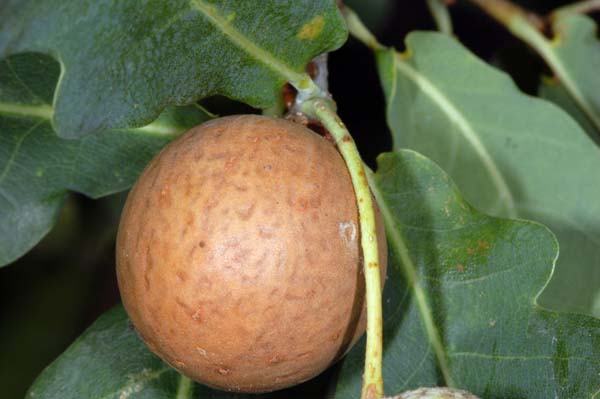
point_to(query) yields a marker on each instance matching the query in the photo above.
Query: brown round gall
(238, 255)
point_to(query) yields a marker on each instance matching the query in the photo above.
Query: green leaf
(511, 155)
(110, 361)
(124, 61)
(107, 361)
(38, 169)
(460, 298)
(574, 55)
(552, 90)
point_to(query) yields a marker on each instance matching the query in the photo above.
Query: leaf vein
(416, 369)
(516, 357)
(137, 384)
(11, 160)
(22, 84)
(408, 269)
(258, 53)
(455, 115)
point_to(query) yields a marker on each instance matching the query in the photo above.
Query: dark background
(48, 297)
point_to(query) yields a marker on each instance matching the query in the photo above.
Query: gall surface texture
(238, 255)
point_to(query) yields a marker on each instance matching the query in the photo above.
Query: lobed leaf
(110, 361)
(460, 298)
(122, 62)
(38, 169)
(107, 361)
(510, 154)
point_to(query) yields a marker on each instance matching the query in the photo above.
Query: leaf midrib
(456, 116)
(239, 40)
(396, 240)
(45, 112)
(141, 382)
(11, 159)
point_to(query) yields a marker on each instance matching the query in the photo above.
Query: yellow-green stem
(360, 32)
(315, 102)
(322, 110)
(185, 389)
